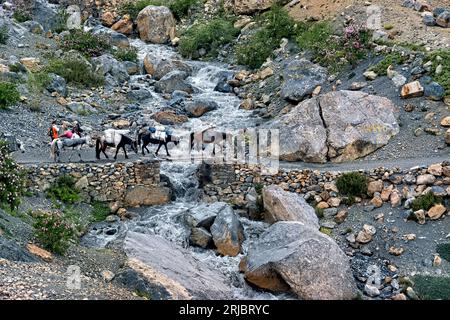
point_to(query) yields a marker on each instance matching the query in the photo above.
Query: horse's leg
(125, 151)
(144, 146)
(167, 151)
(159, 147)
(103, 150)
(117, 151)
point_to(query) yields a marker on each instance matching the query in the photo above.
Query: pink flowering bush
(53, 230)
(11, 179)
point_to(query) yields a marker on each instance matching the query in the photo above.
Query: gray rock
(10, 250)
(139, 95)
(57, 84)
(81, 107)
(437, 11)
(173, 81)
(107, 64)
(371, 290)
(199, 107)
(281, 205)
(114, 38)
(201, 237)
(33, 27)
(291, 255)
(301, 77)
(44, 14)
(429, 20)
(443, 19)
(339, 126)
(165, 66)
(174, 268)
(228, 233)
(131, 67)
(434, 91)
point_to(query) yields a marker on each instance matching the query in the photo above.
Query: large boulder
(357, 123)
(252, 6)
(337, 126)
(228, 232)
(156, 24)
(302, 133)
(124, 25)
(147, 196)
(301, 77)
(281, 205)
(10, 250)
(114, 38)
(173, 81)
(57, 84)
(174, 268)
(107, 64)
(166, 66)
(169, 118)
(199, 107)
(293, 255)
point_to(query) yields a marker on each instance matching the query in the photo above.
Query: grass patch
(425, 202)
(319, 212)
(64, 190)
(61, 21)
(444, 251)
(275, 25)
(441, 57)
(126, 54)
(393, 59)
(352, 184)
(326, 231)
(330, 50)
(432, 287)
(99, 211)
(4, 34)
(21, 16)
(180, 8)
(209, 35)
(38, 81)
(85, 42)
(9, 95)
(75, 71)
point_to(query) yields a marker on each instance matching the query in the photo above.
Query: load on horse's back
(159, 135)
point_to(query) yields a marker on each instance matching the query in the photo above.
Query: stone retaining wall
(231, 183)
(109, 182)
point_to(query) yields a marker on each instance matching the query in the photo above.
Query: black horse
(114, 138)
(146, 139)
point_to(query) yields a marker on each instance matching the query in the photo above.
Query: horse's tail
(97, 148)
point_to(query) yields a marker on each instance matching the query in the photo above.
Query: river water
(167, 220)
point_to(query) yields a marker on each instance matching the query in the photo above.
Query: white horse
(75, 142)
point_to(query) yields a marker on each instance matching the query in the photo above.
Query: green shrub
(134, 7)
(275, 25)
(85, 42)
(391, 59)
(441, 57)
(444, 251)
(75, 71)
(61, 21)
(319, 212)
(208, 35)
(425, 202)
(8, 95)
(180, 8)
(432, 287)
(11, 179)
(38, 81)
(126, 54)
(99, 211)
(352, 184)
(53, 231)
(21, 16)
(4, 35)
(331, 50)
(17, 67)
(64, 190)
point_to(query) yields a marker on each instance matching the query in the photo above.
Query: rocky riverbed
(280, 237)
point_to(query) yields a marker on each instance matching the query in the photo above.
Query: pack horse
(117, 139)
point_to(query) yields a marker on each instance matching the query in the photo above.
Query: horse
(146, 139)
(208, 136)
(114, 138)
(75, 142)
